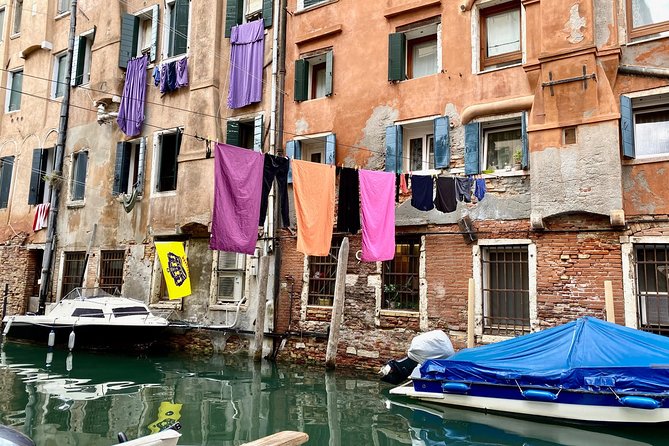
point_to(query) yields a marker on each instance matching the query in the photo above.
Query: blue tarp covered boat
(585, 370)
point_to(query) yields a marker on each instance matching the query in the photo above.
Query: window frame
(423, 130)
(110, 256)
(400, 57)
(46, 160)
(6, 179)
(327, 264)
(17, 18)
(245, 132)
(644, 30)
(303, 6)
(78, 188)
(642, 311)
(169, 31)
(157, 178)
(66, 285)
(388, 303)
(11, 79)
(320, 143)
(636, 110)
(129, 167)
(305, 75)
(489, 128)
(506, 59)
(3, 15)
(56, 82)
(62, 7)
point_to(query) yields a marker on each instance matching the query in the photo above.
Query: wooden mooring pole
(263, 272)
(470, 314)
(608, 299)
(337, 306)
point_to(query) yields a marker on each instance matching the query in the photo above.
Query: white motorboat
(168, 437)
(90, 318)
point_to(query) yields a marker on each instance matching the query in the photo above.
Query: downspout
(50, 243)
(643, 71)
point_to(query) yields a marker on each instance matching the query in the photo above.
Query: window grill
(652, 266)
(73, 269)
(323, 275)
(401, 283)
(111, 271)
(506, 295)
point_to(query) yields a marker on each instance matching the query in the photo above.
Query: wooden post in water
(333, 409)
(263, 272)
(608, 299)
(337, 306)
(470, 314)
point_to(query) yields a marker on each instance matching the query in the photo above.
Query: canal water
(86, 399)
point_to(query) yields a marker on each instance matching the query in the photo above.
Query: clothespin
(207, 153)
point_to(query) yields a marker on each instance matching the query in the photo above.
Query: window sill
(169, 193)
(165, 305)
(62, 15)
(76, 204)
(648, 159)
(14, 36)
(491, 339)
(164, 59)
(319, 307)
(9, 112)
(312, 7)
(506, 173)
(491, 70)
(227, 307)
(399, 313)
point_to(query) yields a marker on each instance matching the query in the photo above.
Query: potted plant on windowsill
(517, 159)
(392, 294)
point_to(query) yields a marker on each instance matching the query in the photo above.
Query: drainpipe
(50, 244)
(643, 71)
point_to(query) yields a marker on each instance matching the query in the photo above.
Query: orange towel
(314, 188)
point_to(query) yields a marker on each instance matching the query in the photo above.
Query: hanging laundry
(348, 210)
(182, 72)
(378, 215)
(422, 187)
(404, 189)
(314, 187)
(246, 63)
(41, 219)
(446, 195)
(168, 77)
(237, 190)
(463, 189)
(131, 110)
(275, 167)
(480, 189)
(156, 75)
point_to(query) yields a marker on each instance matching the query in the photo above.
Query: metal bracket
(583, 78)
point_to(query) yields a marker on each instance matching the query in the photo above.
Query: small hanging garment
(480, 189)
(182, 72)
(422, 187)
(445, 200)
(314, 190)
(463, 188)
(41, 216)
(378, 215)
(237, 189)
(156, 75)
(348, 210)
(404, 190)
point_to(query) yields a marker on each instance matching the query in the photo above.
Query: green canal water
(87, 398)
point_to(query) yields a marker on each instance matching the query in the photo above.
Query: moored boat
(587, 370)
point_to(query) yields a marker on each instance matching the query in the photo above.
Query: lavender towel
(237, 191)
(131, 110)
(182, 72)
(246, 63)
(377, 192)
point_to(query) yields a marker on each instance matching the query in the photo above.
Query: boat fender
(52, 338)
(450, 387)
(122, 438)
(539, 395)
(640, 402)
(70, 341)
(7, 327)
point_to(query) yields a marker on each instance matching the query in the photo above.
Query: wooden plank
(285, 438)
(470, 314)
(608, 299)
(337, 306)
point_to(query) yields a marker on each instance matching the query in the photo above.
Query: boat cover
(588, 354)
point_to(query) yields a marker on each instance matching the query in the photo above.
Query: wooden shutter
(301, 80)
(121, 168)
(180, 39)
(394, 148)
(525, 163)
(330, 149)
(6, 167)
(472, 145)
(442, 143)
(627, 126)
(267, 12)
(258, 134)
(233, 15)
(37, 173)
(397, 57)
(140, 166)
(294, 152)
(308, 3)
(179, 140)
(155, 11)
(128, 45)
(329, 59)
(81, 165)
(232, 133)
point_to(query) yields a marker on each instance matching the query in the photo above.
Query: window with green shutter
(139, 35)
(6, 169)
(78, 181)
(178, 18)
(242, 11)
(168, 147)
(414, 50)
(81, 59)
(314, 76)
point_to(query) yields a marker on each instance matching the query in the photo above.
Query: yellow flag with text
(175, 268)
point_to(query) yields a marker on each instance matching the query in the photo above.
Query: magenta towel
(377, 206)
(237, 191)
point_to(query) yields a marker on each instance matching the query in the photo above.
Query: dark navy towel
(422, 191)
(446, 200)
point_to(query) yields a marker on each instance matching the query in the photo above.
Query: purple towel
(246, 63)
(131, 110)
(377, 204)
(237, 190)
(182, 72)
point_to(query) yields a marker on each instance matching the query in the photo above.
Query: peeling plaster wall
(645, 187)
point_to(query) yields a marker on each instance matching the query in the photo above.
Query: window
(313, 76)
(59, 75)
(503, 147)
(645, 125)
(176, 34)
(130, 311)
(652, 272)
(139, 35)
(323, 275)
(243, 11)
(417, 140)
(647, 17)
(302, 4)
(18, 12)
(63, 6)
(79, 167)
(42, 165)
(496, 145)
(316, 148)
(401, 283)
(505, 286)
(73, 271)
(6, 169)
(88, 312)
(247, 133)
(111, 271)
(129, 167)
(81, 59)
(415, 51)
(230, 277)
(2, 24)
(167, 154)
(500, 39)
(15, 88)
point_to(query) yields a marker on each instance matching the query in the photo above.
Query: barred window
(652, 267)
(73, 271)
(401, 284)
(323, 275)
(506, 301)
(111, 271)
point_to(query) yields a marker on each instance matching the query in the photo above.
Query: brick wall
(16, 271)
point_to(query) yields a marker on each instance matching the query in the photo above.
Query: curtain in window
(503, 31)
(651, 133)
(131, 111)
(246, 64)
(647, 12)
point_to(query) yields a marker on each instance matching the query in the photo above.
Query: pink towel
(377, 205)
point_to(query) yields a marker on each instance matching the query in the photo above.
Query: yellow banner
(168, 414)
(175, 268)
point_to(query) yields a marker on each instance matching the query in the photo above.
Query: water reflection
(228, 400)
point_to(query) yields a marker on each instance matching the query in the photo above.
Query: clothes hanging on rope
(422, 187)
(445, 201)
(275, 167)
(348, 209)
(463, 188)
(378, 215)
(480, 189)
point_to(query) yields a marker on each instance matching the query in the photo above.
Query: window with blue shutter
(525, 162)
(472, 148)
(627, 127)
(37, 172)
(128, 44)
(6, 168)
(330, 149)
(397, 57)
(293, 152)
(394, 149)
(442, 143)
(301, 80)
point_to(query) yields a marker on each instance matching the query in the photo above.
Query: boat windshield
(80, 293)
(129, 311)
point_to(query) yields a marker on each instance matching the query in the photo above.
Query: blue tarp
(587, 353)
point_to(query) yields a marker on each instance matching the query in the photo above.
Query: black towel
(348, 211)
(422, 191)
(446, 201)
